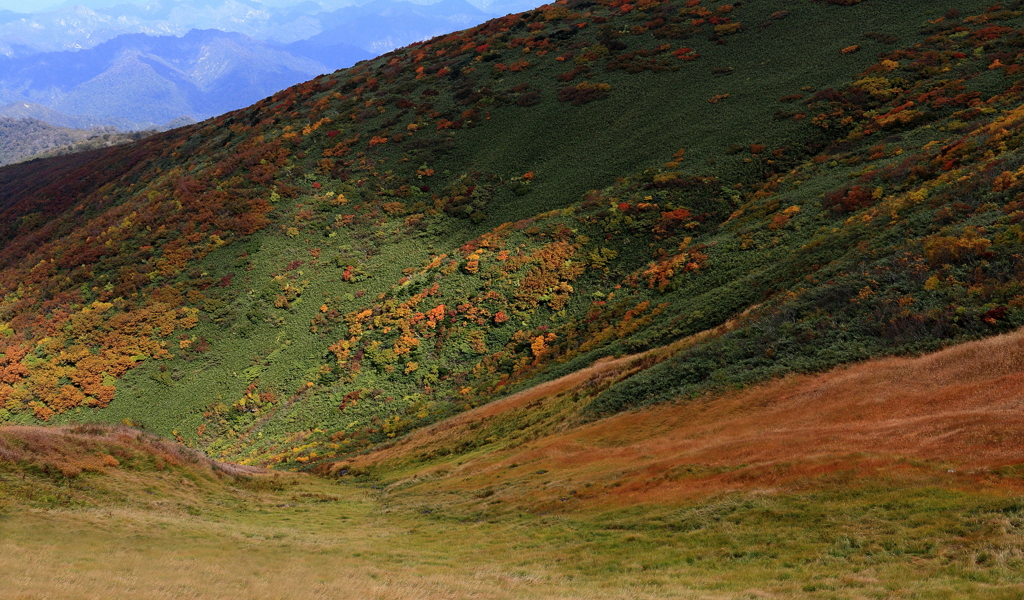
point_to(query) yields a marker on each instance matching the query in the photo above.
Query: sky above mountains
(33, 6)
(78, 24)
(36, 6)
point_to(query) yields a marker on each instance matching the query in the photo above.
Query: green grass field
(317, 539)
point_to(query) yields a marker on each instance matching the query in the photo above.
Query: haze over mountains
(153, 80)
(81, 25)
(144, 65)
(21, 138)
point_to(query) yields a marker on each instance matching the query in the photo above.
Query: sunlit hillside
(604, 299)
(908, 486)
(388, 245)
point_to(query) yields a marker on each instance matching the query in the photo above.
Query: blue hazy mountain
(151, 80)
(143, 64)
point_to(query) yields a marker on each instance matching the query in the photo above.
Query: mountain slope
(30, 110)
(385, 246)
(952, 412)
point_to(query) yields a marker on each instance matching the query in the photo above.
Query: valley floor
(318, 539)
(896, 478)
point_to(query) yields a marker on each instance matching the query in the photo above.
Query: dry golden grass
(346, 548)
(897, 478)
(164, 523)
(70, 450)
(957, 413)
(352, 548)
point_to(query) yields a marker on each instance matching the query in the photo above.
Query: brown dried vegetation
(955, 412)
(69, 451)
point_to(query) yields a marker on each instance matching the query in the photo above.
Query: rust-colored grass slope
(438, 438)
(956, 416)
(69, 451)
(106, 466)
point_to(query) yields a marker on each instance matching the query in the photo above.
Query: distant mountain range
(21, 139)
(144, 66)
(32, 110)
(78, 26)
(140, 81)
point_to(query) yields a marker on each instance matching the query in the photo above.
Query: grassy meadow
(750, 494)
(305, 537)
(743, 495)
